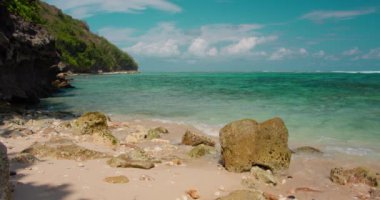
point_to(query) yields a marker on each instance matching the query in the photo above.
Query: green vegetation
(81, 50)
(24, 8)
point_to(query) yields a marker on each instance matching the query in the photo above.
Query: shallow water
(328, 108)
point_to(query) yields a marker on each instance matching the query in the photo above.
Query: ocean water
(328, 108)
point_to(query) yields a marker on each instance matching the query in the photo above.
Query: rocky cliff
(37, 40)
(28, 59)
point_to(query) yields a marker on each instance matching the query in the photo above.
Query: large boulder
(246, 143)
(95, 125)
(5, 192)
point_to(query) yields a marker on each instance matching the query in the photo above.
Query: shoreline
(73, 74)
(67, 179)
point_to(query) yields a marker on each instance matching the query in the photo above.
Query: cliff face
(28, 60)
(35, 37)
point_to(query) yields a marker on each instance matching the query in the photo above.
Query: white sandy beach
(49, 178)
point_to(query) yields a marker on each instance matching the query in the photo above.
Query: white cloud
(214, 33)
(280, 54)
(212, 52)
(351, 52)
(166, 48)
(319, 54)
(199, 47)
(241, 47)
(372, 54)
(167, 40)
(322, 15)
(303, 52)
(283, 53)
(86, 8)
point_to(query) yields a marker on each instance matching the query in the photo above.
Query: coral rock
(246, 143)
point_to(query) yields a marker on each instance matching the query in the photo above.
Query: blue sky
(238, 35)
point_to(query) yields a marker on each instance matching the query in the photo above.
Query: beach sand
(49, 178)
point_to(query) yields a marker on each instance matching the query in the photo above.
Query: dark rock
(194, 139)
(28, 60)
(5, 189)
(353, 176)
(307, 150)
(246, 143)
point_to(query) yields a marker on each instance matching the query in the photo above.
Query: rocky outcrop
(5, 193)
(246, 143)
(94, 124)
(244, 195)
(353, 176)
(194, 139)
(28, 60)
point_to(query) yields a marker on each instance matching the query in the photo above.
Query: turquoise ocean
(335, 109)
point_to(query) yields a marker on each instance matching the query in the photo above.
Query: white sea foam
(357, 72)
(350, 150)
(208, 129)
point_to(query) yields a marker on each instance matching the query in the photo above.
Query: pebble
(217, 193)
(283, 181)
(80, 165)
(221, 188)
(193, 193)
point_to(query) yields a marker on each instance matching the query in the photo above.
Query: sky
(238, 35)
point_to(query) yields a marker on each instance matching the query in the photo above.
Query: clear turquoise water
(324, 107)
